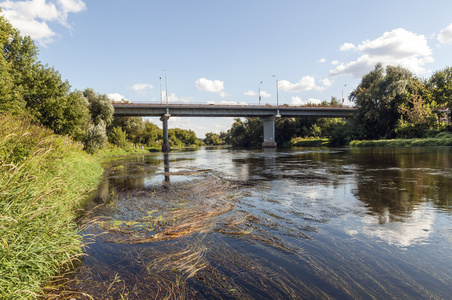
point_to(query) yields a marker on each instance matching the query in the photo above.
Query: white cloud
(213, 86)
(142, 86)
(335, 62)
(172, 98)
(264, 94)
(223, 95)
(251, 93)
(306, 83)
(347, 46)
(445, 36)
(398, 47)
(116, 97)
(326, 82)
(32, 17)
(297, 101)
(322, 60)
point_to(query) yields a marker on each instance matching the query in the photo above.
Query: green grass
(308, 142)
(441, 139)
(43, 180)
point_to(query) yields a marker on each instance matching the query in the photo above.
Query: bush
(95, 137)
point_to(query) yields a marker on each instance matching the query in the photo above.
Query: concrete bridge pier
(269, 132)
(165, 146)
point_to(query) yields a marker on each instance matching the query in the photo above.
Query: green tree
(378, 98)
(118, 137)
(440, 84)
(95, 137)
(66, 115)
(10, 97)
(100, 107)
(213, 139)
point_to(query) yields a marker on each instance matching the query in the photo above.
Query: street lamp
(161, 100)
(343, 94)
(166, 88)
(260, 93)
(277, 100)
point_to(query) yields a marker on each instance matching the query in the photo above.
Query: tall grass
(43, 179)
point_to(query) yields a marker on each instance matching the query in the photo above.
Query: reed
(43, 180)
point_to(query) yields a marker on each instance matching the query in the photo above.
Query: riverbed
(304, 223)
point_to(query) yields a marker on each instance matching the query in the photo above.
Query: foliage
(43, 179)
(308, 142)
(436, 141)
(378, 98)
(344, 133)
(440, 84)
(95, 137)
(213, 139)
(100, 107)
(118, 137)
(181, 138)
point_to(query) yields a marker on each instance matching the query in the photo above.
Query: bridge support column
(165, 146)
(269, 132)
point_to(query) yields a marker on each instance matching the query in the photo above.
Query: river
(304, 223)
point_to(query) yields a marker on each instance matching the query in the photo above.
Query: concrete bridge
(267, 114)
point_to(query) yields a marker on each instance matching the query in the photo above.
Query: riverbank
(44, 179)
(441, 139)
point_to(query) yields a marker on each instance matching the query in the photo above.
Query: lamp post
(343, 94)
(166, 88)
(277, 96)
(260, 93)
(161, 100)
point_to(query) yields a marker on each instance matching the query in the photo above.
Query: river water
(311, 223)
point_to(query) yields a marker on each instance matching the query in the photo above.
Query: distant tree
(213, 139)
(118, 137)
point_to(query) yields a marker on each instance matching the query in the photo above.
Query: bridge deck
(209, 110)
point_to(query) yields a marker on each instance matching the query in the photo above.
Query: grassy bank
(43, 180)
(441, 139)
(308, 142)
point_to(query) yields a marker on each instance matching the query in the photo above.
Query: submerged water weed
(166, 242)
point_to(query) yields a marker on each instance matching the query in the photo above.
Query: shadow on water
(287, 224)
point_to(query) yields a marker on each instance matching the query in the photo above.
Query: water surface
(261, 224)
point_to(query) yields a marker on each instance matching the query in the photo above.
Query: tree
(213, 139)
(118, 137)
(95, 137)
(378, 98)
(440, 84)
(66, 115)
(100, 107)
(10, 97)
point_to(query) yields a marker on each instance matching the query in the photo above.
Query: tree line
(391, 103)
(28, 87)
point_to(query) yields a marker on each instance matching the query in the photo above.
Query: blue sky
(219, 51)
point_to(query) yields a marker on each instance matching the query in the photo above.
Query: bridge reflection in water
(267, 114)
